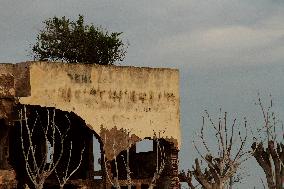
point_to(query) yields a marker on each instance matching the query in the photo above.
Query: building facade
(119, 106)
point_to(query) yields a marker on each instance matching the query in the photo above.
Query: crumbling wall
(142, 100)
(7, 179)
(7, 101)
(121, 105)
(7, 90)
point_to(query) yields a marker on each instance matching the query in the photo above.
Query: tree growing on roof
(65, 40)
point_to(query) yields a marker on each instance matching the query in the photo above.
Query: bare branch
(270, 154)
(222, 166)
(62, 179)
(38, 169)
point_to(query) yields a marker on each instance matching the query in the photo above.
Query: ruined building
(119, 107)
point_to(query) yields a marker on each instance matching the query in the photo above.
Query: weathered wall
(7, 89)
(14, 80)
(140, 100)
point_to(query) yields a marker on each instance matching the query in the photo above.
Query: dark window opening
(79, 138)
(142, 165)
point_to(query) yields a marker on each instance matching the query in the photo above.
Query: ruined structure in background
(117, 106)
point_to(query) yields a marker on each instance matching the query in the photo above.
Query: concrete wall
(142, 101)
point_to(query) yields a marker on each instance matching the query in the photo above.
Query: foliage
(74, 41)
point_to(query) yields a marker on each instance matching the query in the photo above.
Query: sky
(227, 51)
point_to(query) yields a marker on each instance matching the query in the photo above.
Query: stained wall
(137, 101)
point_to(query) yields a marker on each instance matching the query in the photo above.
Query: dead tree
(160, 164)
(36, 164)
(269, 150)
(160, 161)
(64, 175)
(218, 164)
(186, 177)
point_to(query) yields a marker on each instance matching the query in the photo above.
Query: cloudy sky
(227, 51)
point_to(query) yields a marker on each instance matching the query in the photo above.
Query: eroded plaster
(144, 101)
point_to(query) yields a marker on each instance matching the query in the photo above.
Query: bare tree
(187, 177)
(160, 161)
(126, 163)
(36, 163)
(117, 185)
(64, 176)
(269, 150)
(160, 164)
(222, 161)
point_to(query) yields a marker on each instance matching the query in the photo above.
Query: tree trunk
(39, 186)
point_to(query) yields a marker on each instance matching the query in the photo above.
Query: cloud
(226, 50)
(161, 33)
(259, 43)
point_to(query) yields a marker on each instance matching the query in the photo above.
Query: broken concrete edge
(22, 86)
(97, 65)
(113, 139)
(24, 82)
(21, 72)
(110, 96)
(117, 140)
(28, 63)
